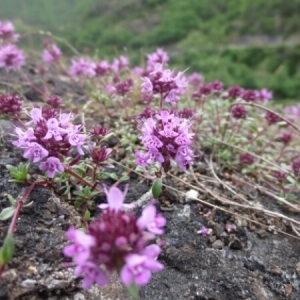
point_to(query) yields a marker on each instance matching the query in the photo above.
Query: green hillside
(251, 43)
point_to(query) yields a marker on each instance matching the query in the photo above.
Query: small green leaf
(290, 179)
(2, 262)
(139, 169)
(11, 168)
(11, 200)
(87, 215)
(113, 176)
(125, 178)
(157, 187)
(133, 290)
(8, 248)
(7, 213)
(298, 184)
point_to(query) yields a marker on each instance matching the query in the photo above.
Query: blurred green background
(253, 43)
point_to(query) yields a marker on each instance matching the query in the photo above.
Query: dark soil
(249, 262)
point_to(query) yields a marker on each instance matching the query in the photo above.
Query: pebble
(191, 195)
(186, 212)
(212, 239)
(28, 283)
(218, 229)
(218, 244)
(261, 233)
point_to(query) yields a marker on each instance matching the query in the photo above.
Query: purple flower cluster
(247, 159)
(159, 56)
(49, 137)
(117, 240)
(7, 32)
(166, 137)
(11, 57)
(239, 111)
(120, 64)
(164, 82)
(235, 92)
(205, 89)
(10, 104)
(83, 67)
(51, 54)
(120, 87)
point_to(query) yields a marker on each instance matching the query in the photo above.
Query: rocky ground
(240, 261)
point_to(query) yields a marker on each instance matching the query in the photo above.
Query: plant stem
(81, 179)
(14, 220)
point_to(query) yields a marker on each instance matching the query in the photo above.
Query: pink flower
(92, 273)
(83, 67)
(159, 56)
(81, 249)
(141, 159)
(115, 199)
(53, 165)
(166, 137)
(102, 68)
(7, 32)
(147, 85)
(11, 57)
(77, 139)
(35, 152)
(265, 95)
(151, 221)
(120, 63)
(138, 267)
(54, 130)
(25, 137)
(51, 55)
(203, 231)
(36, 116)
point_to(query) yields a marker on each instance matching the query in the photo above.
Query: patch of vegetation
(211, 37)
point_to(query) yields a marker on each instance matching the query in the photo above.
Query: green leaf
(125, 178)
(290, 179)
(8, 248)
(7, 213)
(157, 187)
(11, 200)
(2, 262)
(11, 168)
(87, 215)
(133, 290)
(113, 176)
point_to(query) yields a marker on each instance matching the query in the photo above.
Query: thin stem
(19, 206)
(81, 179)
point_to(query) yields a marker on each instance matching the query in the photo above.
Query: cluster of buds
(235, 92)
(166, 137)
(239, 111)
(210, 88)
(117, 240)
(10, 104)
(49, 136)
(165, 83)
(247, 159)
(120, 88)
